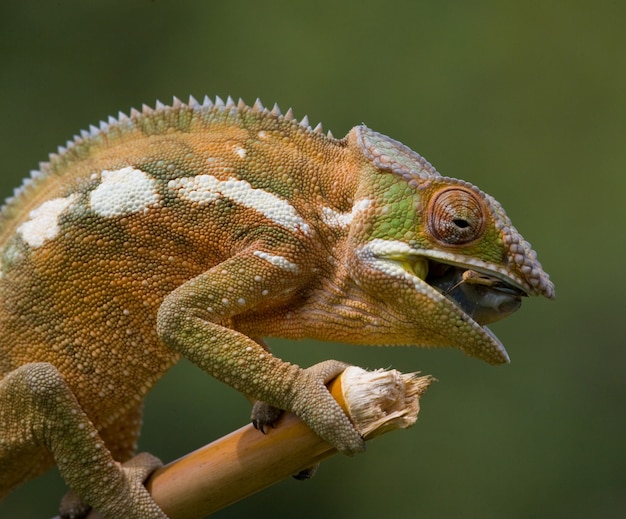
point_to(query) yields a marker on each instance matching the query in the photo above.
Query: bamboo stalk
(246, 461)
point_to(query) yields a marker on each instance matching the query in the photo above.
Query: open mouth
(464, 293)
(478, 293)
(483, 297)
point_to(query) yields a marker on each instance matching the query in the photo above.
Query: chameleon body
(196, 230)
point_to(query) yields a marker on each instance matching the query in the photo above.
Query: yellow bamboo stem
(246, 461)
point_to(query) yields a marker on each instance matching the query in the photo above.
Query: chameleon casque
(197, 230)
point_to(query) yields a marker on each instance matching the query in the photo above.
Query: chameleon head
(442, 252)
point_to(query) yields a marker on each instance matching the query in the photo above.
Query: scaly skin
(196, 230)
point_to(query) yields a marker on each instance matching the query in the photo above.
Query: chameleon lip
(533, 283)
(438, 263)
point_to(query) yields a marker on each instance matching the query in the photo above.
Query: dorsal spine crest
(156, 121)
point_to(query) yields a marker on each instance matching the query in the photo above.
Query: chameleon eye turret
(456, 216)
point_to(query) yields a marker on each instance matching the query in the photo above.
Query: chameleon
(199, 229)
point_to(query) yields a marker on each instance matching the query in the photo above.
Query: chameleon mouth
(482, 296)
(464, 293)
(467, 295)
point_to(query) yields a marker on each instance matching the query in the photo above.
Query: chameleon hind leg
(121, 440)
(39, 417)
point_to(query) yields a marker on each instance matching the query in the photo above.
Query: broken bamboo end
(379, 401)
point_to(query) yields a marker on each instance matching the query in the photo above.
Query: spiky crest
(117, 127)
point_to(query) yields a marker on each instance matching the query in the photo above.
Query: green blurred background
(524, 98)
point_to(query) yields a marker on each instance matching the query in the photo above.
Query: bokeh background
(524, 98)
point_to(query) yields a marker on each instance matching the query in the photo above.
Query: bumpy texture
(198, 229)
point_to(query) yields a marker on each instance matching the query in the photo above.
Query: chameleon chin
(197, 229)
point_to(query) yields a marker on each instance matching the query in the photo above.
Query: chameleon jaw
(464, 297)
(440, 322)
(484, 294)
(474, 309)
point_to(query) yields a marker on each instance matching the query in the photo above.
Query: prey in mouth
(484, 297)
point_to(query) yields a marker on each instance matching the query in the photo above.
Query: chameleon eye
(455, 216)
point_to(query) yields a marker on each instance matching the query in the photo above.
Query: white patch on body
(334, 218)
(278, 261)
(206, 188)
(43, 222)
(123, 191)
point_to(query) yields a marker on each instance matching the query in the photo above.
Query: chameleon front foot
(313, 404)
